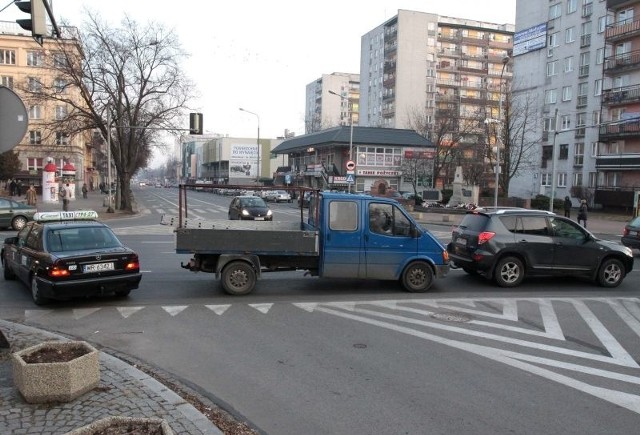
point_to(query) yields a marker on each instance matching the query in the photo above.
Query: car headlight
(269, 213)
(245, 213)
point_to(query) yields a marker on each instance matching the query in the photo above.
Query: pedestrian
(582, 213)
(12, 188)
(84, 190)
(32, 196)
(64, 195)
(567, 207)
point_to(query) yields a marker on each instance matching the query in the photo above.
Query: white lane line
(632, 322)
(550, 320)
(628, 401)
(605, 337)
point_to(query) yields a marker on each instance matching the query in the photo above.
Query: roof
(361, 136)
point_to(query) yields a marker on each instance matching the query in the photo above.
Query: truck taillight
(58, 270)
(485, 236)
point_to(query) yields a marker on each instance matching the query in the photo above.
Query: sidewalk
(124, 389)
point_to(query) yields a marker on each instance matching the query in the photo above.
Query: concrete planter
(56, 381)
(116, 422)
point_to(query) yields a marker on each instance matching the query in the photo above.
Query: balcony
(618, 162)
(624, 95)
(621, 130)
(622, 30)
(621, 62)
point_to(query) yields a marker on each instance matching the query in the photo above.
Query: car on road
(14, 214)
(62, 255)
(249, 208)
(507, 245)
(278, 196)
(631, 234)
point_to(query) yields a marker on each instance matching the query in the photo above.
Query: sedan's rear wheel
(36, 294)
(611, 273)
(18, 223)
(509, 272)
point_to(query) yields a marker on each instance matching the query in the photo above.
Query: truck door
(388, 243)
(342, 253)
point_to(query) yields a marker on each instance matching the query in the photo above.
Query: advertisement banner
(243, 161)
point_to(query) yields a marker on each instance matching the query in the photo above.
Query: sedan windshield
(75, 239)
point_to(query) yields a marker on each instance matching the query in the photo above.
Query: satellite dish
(13, 119)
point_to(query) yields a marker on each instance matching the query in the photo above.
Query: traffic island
(56, 371)
(124, 425)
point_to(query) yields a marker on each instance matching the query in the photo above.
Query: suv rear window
(474, 222)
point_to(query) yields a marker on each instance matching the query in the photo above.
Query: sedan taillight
(58, 270)
(132, 264)
(485, 236)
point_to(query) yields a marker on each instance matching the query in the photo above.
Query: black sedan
(631, 234)
(62, 255)
(249, 208)
(14, 214)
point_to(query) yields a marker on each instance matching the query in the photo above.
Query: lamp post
(109, 198)
(257, 143)
(342, 97)
(505, 61)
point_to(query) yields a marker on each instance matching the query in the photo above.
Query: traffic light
(195, 123)
(38, 21)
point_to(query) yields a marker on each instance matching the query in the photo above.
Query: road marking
(218, 309)
(175, 309)
(79, 313)
(128, 311)
(263, 308)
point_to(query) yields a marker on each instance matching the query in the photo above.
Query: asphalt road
(306, 355)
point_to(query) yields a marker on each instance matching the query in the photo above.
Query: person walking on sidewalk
(64, 195)
(582, 213)
(32, 196)
(84, 190)
(567, 207)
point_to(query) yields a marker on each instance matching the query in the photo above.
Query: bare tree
(418, 166)
(131, 74)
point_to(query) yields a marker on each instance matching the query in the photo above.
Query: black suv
(509, 244)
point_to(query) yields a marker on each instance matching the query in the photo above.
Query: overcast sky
(260, 54)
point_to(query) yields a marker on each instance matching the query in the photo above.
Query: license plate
(633, 233)
(98, 267)
(462, 242)
(259, 219)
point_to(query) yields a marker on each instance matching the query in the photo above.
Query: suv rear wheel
(509, 272)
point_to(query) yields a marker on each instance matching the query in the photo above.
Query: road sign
(351, 165)
(351, 179)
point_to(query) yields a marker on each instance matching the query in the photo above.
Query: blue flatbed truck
(343, 236)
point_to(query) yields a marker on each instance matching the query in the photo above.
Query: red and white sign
(351, 165)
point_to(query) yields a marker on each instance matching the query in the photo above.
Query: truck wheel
(238, 278)
(417, 277)
(611, 273)
(509, 272)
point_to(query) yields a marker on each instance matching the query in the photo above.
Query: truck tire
(417, 277)
(238, 278)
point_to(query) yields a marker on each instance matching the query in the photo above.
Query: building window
(555, 11)
(60, 85)
(562, 179)
(549, 124)
(565, 123)
(578, 156)
(62, 138)
(553, 40)
(379, 156)
(35, 112)
(585, 34)
(7, 57)
(567, 93)
(570, 35)
(572, 6)
(564, 151)
(594, 149)
(7, 81)
(35, 137)
(545, 179)
(568, 64)
(552, 68)
(35, 163)
(34, 84)
(597, 87)
(59, 60)
(595, 118)
(577, 179)
(550, 96)
(593, 179)
(602, 24)
(35, 58)
(61, 113)
(584, 64)
(599, 56)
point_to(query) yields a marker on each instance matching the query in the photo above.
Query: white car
(279, 196)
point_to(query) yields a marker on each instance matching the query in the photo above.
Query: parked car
(631, 234)
(61, 255)
(507, 245)
(249, 208)
(14, 214)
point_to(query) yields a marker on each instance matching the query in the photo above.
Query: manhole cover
(452, 317)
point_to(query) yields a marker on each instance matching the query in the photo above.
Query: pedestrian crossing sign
(351, 179)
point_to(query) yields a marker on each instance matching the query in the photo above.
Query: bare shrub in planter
(125, 425)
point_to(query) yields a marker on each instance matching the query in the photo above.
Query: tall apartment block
(323, 109)
(579, 59)
(419, 64)
(618, 158)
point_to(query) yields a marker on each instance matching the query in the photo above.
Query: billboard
(531, 39)
(243, 161)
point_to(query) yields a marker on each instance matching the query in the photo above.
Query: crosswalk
(591, 345)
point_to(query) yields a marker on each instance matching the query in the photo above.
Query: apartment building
(324, 109)
(559, 52)
(618, 158)
(418, 67)
(24, 64)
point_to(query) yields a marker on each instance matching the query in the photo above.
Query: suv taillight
(485, 236)
(625, 231)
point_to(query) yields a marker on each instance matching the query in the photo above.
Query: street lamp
(109, 197)
(350, 126)
(505, 61)
(257, 142)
